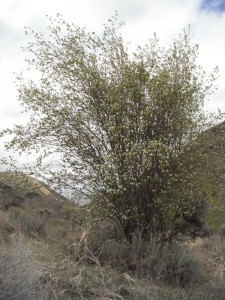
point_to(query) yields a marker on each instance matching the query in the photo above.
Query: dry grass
(79, 274)
(181, 270)
(32, 224)
(7, 227)
(20, 273)
(74, 262)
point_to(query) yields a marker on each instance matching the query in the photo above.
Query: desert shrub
(178, 266)
(9, 199)
(69, 211)
(20, 274)
(211, 250)
(7, 226)
(101, 233)
(65, 212)
(214, 248)
(46, 212)
(60, 230)
(32, 224)
(222, 230)
(39, 202)
(32, 194)
(15, 201)
(137, 141)
(173, 263)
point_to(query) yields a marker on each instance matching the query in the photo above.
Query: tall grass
(20, 273)
(73, 262)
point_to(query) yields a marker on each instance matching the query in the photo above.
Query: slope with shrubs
(70, 261)
(49, 250)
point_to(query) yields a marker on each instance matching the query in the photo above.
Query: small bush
(11, 201)
(20, 274)
(179, 266)
(60, 230)
(32, 224)
(214, 249)
(173, 264)
(32, 194)
(7, 226)
(46, 212)
(222, 231)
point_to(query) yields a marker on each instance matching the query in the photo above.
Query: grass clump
(178, 266)
(20, 274)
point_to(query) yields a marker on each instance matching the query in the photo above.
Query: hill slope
(29, 194)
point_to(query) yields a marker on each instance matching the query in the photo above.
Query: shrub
(31, 224)
(173, 263)
(20, 274)
(133, 149)
(214, 248)
(8, 197)
(7, 226)
(46, 212)
(180, 267)
(60, 230)
(104, 242)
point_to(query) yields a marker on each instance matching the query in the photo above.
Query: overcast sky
(142, 18)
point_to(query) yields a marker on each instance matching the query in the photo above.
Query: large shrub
(119, 127)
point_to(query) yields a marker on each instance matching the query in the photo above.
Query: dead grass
(74, 262)
(7, 227)
(20, 273)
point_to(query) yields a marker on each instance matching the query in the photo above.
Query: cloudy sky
(142, 18)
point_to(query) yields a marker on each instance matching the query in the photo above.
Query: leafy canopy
(119, 127)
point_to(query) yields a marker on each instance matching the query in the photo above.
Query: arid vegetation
(128, 131)
(47, 254)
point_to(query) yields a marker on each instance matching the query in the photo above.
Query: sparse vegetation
(73, 261)
(20, 273)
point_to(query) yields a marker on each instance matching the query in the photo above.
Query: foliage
(212, 143)
(119, 127)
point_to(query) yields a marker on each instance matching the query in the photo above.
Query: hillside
(31, 195)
